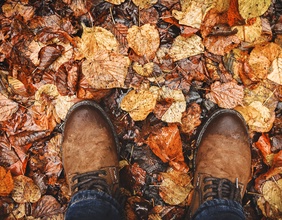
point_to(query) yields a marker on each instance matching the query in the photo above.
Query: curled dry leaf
(175, 187)
(6, 182)
(226, 95)
(192, 12)
(145, 70)
(144, 40)
(166, 144)
(253, 8)
(184, 47)
(106, 70)
(95, 39)
(138, 104)
(7, 108)
(258, 117)
(25, 190)
(144, 3)
(272, 193)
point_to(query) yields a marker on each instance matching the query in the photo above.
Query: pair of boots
(222, 163)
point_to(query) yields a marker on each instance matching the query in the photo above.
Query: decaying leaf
(166, 144)
(144, 40)
(226, 95)
(25, 190)
(145, 70)
(7, 108)
(144, 3)
(192, 12)
(138, 104)
(95, 39)
(175, 187)
(184, 47)
(253, 8)
(106, 70)
(6, 182)
(275, 74)
(272, 193)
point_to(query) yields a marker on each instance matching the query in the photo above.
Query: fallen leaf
(49, 54)
(144, 40)
(145, 70)
(7, 108)
(63, 104)
(47, 206)
(184, 47)
(19, 212)
(115, 2)
(166, 144)
(264, 145)
(49, 90)
(234, 17)
(226, 95)
(191, 119)
(6, 182)
(25, 190)
(138, 104)
(106, 70)
(175, 187)
(16, 8)
(275, 73)
(272, 193)
(192, 12)
(17, 86)
(253, 8)
(144, 3)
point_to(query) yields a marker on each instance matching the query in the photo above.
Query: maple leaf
(175, 187)
(166, 144)
(6, 182)
(144, 40)
(184, 47)
(7, 108)
(226, 95)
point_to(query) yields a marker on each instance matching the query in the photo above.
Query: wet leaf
(6, 182)
(144, 40)
(17, 86)
(226, 95)
(49, 54)
(253, 8)
(7, 108)
(272, 193)
(175, 187)
(184, 47)
(25, 190)
(106, 70)
(49, 90)
(138, 104)
(47, 206)
(166, 144)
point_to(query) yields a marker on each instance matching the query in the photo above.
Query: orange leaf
(263, 144)
(166, 144)
(234, 17)
(6, 182)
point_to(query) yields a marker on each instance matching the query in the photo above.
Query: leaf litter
(159, 68)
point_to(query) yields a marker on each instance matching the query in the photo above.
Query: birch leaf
(184, 47)
(138, 104)
(144, 40)
(253, 8)
(7, 108)
(226, 95)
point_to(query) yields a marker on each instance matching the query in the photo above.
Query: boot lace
(217, 188)
(91, 181)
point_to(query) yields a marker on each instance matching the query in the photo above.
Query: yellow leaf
(275, 74)
(184, 47)
(106, 70)
(253, 8)
(145, 70)
(175, 187)
(63, 104)
(144, 3)
(272, 193)
(25, 190)
(47, 89)
(115, 2)
(138, 104)
(6, 182)
(144, 40)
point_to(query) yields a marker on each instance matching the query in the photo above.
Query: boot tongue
(220, 188)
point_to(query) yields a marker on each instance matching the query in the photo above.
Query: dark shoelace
(91, 181)
(221, 189)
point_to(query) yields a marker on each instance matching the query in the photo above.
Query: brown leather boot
(223, 159)
(90, 149)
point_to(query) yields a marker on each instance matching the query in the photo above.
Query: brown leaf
(234, 17)
(191, 119)
(166, 144)
(49, 54)
(47, 206)
(27, 137)
(272, 193)
(263, 144)
(6, 182)
(226, 95)
(7, 108)
(25, 190)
